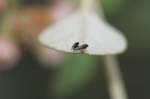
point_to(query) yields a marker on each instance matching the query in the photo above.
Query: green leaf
(111, 6)
(75, 75)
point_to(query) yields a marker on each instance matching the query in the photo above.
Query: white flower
(86, 27)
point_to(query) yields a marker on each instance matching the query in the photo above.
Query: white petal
(102, 38)
(62, 35)
(85, 28)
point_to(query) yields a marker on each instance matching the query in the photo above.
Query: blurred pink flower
(26, 26)
(50, 57)
(32, 21)
(60, 9)
(2, 5)
(9, 54)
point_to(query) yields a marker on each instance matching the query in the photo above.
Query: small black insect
(77, 47)
(84, 46)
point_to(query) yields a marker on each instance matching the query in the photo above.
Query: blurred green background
(82, 76)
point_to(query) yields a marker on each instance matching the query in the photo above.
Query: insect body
(76, 46)
(84, 46)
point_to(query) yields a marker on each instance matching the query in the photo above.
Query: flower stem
(115, 81)
(87, 5)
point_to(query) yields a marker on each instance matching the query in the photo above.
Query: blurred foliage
(112, 6)
(76, 73)
(30, 81)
